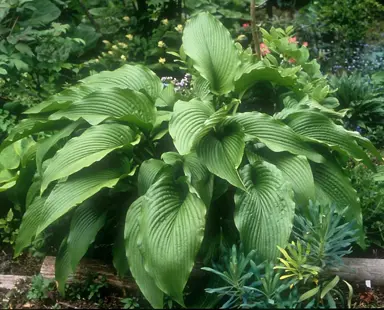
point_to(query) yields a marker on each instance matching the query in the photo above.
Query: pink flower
(305, 44)
(264, 49)
(292, 40)
(291, 60)
(246, 25)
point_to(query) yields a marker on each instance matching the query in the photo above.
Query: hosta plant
(120, 138)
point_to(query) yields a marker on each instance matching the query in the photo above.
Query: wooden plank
(9, 281)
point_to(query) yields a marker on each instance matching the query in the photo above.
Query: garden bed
(356, 271)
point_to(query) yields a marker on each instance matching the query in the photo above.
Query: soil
(371, 252)
(17, 299)
(24, 265)
(368, 298)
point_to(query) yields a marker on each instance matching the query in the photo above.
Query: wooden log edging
(355, 270)
(362, 269)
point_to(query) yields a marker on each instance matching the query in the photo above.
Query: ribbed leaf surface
(61, 100)
(63, 198)
(31, 126)
(149, 171)
(80, 152)
(297, 170)
(276, 135)
(135, 259)
(132, 77)
(253, 73)
(86, 222)
(123, 104)
(264, 215)
(187, 121)
(45, 145)
(171, 230)
(195, 171)
(29, 224)
(319, 128)
(332, 186)
(223, 155)
(209, 44)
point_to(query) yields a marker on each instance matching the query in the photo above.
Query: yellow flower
(179, 28)
(129, 37)
(122, 45)
(123, 57)
(126, 18)
(106, 42)
(241, 37)
(115, 47)
(110, 53)
(164, 21)
(160, 44)
(291, 286)
(162, 60)
(96, 60)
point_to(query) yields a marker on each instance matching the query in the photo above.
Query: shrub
(93, 137)
(363, 101)
(370, 189)
(302, 279)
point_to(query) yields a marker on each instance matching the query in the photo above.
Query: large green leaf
(64, 197)
(274, 134)
(31, 126)
(209, 44)
(222, 154)
(264, 214)
(297, 170)
(61, 100)
(171, 230)
(86, 222)
(45, 145)
(167, 97)
(80, 152)
(135, 259)
(250, 74)
(44, 12)
(148, 173)
(187, 121)
(319, 128)
(332, 186)
(29, 224)
(122, 104)
(196, 172)
(128, 76)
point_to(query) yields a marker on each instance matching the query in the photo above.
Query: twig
(255, 30)
(90, 17)
(13, 26)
